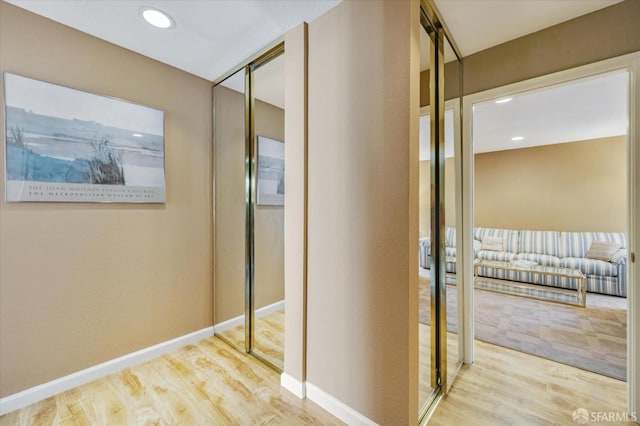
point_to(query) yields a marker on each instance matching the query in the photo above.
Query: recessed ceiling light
(503, 100)
(517, 138)
(137, 135)
(157, 18)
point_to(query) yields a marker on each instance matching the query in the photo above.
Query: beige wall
(579, 186)
(295, 205)
(600, 35)
(230, 210)
(363, 207)
(81, 284)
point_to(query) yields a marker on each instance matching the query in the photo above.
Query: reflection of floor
(506, 387)
(593, 338)
(425, 339)
(269, 339)
(207, 383)
(424, 361)
(424, 365)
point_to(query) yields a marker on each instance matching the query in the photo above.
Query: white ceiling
(210, 37)
(479, 24)
(213, 36)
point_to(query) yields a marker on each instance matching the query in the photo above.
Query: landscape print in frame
(66, 145)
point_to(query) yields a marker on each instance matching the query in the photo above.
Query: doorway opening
(550, 231)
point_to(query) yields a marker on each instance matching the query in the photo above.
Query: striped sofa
(547, 248)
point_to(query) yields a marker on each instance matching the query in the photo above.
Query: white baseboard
(336, 407)
(269, 309)
(49, 389)
(293, 385)
(239, 320)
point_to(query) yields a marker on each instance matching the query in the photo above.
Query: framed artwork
(270, 182)
(65, 145)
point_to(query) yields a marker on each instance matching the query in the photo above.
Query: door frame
(631, 63)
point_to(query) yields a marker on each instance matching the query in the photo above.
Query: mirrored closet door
(441, 284)
(249, 208)
(268, 211)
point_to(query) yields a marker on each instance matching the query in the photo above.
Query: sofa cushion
(619, 257)
(602, 250)
(540, 242)
(502, 256)
(492, 243)
(509, 236)
(576, 244)
(590, 266)
(540, 259)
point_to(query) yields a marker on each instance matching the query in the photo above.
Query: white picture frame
(66, 145)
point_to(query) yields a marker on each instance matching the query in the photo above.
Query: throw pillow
(602, 250)
(492, 243)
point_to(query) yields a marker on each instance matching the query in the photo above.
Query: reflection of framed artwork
(270, 182)
(63, 144)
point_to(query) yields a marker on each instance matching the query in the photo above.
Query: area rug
(592, 338)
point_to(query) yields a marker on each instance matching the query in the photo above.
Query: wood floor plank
(506, 387)
(211, 383)
(208, 383)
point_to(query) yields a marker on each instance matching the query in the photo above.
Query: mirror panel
(268, 229)
(453, 233)
(426, 392)
(440, 291)
(229, 209)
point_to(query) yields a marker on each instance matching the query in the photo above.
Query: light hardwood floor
(208, 383)
(506, 387)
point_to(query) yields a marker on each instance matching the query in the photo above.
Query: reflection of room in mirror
(451, 341)
(270, 177)
(230, 225)
(269, 82)
(449, 53)
(269, 87)
(267, 210)
(425, 135)
(268, 230)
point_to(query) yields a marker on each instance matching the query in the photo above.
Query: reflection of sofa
(603, 263)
